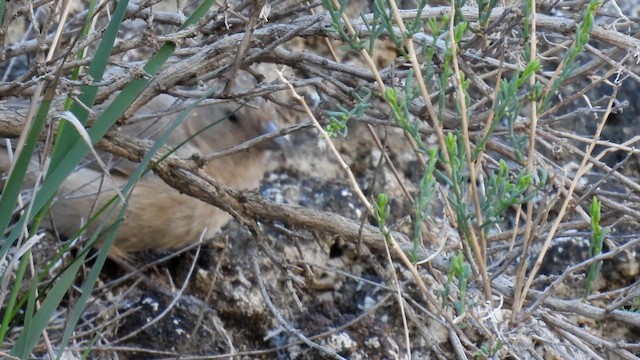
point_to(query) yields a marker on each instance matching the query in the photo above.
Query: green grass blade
(87, 287)
(85, 34)
(104, 122)
(2, 7)
(137, 174)
(198, 14)
(33, 327)
(70, 151)
(9, 312)
(13, 186)
(67, 137)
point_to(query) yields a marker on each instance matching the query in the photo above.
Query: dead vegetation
(480, 248)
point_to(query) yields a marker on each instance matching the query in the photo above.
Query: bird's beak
(279, 143)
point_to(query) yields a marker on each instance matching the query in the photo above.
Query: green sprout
(595, 247)
(338, 119)
(461, 270)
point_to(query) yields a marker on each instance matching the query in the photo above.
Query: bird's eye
(233, 118)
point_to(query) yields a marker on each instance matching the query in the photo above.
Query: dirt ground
(329, 289)
(292, 292)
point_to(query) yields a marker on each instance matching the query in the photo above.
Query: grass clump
(478, 112)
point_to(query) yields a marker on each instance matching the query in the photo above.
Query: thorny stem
(374, 70)
(479, 247)
(520, 292)
(579, 173)
(408, 41)
(373, 134)
(386, 232)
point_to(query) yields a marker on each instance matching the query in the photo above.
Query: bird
(159, 217)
